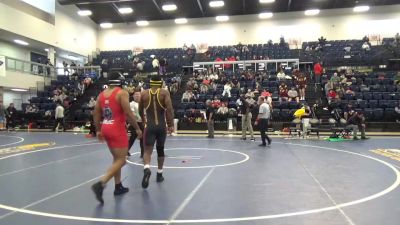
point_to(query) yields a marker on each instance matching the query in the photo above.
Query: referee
(264, 114)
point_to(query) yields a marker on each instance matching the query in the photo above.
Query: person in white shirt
(264, 114)
(131, 130)
(92, 103)
(227, 89)
(366, 46)
(59, 117)
(156, 64)
(281, 75)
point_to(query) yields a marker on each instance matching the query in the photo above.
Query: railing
(256, 65)
(44, 70)
(29, 67)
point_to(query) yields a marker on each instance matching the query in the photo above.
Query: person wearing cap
(156, 104)
(113, 106)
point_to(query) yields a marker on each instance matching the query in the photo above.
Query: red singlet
(113, 126)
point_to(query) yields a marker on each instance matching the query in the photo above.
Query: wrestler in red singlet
(113, 107)
(113, 126)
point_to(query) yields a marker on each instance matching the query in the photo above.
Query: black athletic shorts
(153, 134)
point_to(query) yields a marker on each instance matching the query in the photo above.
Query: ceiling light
(21, 42)
(84, 12)
(266, 1)
(180, 20)
(125, 10)
(169, 7)
(361, 8)
(106, 25)
(265, 15)
(18, 90)
(311, 12)
(216, 4)
(142, 23)
(222, 18)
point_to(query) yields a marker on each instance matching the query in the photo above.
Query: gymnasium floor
(221, 181)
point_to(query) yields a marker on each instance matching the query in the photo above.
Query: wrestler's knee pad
(160, 151)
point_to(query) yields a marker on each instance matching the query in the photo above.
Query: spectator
(187, 96)
(210, 118)
(174, 88)
(293, 95)
(332, 95)
(283, 92)
(397, 39)
(335, 79)
(92, 103)
(328, 86)
(366, 47)
(396, 79)
(349, 91)
(318, 70)
(28, 109)
(66, 71)
(245, 109)
(227, 89)
(216, 103)
(203, 88)
(156, 64)
(185, 47)
(322, 41)
(281, 75)
(223, 110)
(249, 93)
(356, 122)
(397, 110)
(302, 85)
(235, 82)
(59, 117)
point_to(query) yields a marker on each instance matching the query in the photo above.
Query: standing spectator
(227, 89)
(210, 119)
(246, 109)
(264, 114)
(318, 70)
(156, 64)
(65, 65)
(163, 66)
(59, 117)
(11, 114)
(397, 110)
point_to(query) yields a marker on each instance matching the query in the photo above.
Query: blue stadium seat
(389, 113)
(276, 114)
(363, 104)
(383, 103)
(369, 113)
(377, 96)
(373, 103)
(386, 96)
(367, 95)
(378, 113)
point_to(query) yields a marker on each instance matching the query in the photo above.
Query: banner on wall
(2, 66)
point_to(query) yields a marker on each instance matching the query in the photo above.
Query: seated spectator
(293, 95)
(265, 93)
(235, 82)
(216, 103)
(62, 96)
(28, 109)
(206, 81)
(396, 78)
(227, 89)
(349, 91)
(223, 110)
(203, 89)
(87, 81)
(187, 96)
(332, 95)
(92, 103)
(174, 88)
(381, 76)
(283, 92)
(397, 110)
(328, 86)
(249, 93)
(335, 79)
(281, 75)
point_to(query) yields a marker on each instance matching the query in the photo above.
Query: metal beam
(115, 7)
(200, 7)
(288, 5)
(158, 7)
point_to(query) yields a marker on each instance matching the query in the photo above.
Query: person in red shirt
(301, 84)
(113, 106)
(318, 70)
(332, 95)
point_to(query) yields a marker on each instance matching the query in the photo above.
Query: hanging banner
(2, 66)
